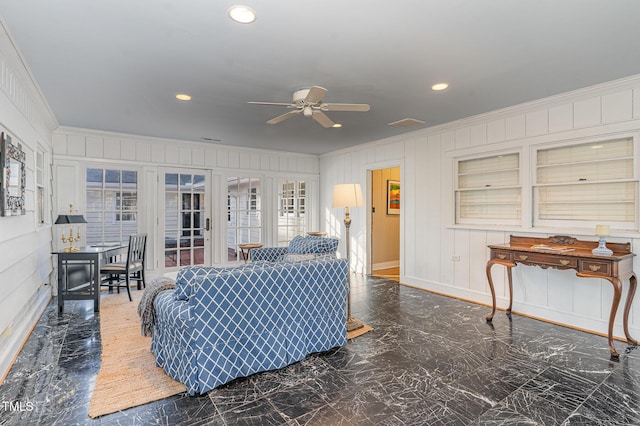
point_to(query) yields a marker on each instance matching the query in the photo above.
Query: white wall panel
(496, 131)
(636, 103)
(560, 118)
(463, 138)
(111, 149)
(25, 245)
(587, 112)
(478, 135)
(76, 145)
(516, 127)
(94, 147)
(143, 152)
(537, 122)
(617, 106)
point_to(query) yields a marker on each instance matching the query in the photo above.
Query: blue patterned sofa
(222, 323)
(298, 247)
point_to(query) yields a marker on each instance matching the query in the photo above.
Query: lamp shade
(70, 218)
(602, 230)
(347, 195)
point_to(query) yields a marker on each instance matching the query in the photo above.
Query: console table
(79, 272)
(563, 252)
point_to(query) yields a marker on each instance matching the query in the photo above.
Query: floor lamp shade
(347, 195)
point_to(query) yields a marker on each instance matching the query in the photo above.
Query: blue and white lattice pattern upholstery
(268, 254)
(245, 320)
(299, 245)
(312, 244)
(189, 277)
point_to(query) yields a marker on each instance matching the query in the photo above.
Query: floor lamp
(348, 195)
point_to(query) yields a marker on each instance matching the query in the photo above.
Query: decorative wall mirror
(12, 188)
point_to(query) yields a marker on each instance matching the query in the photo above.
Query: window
(488, 190)
(40, 187)
(112, 205)
(244, 213)
(591, 183)
(292, 219)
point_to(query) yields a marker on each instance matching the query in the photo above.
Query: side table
(245, 250)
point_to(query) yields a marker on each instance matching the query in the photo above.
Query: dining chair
(119, 274)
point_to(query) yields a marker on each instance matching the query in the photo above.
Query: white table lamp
(602, 231)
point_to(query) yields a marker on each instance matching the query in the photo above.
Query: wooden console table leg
(493, 291)
(510, 276)
(617, 294)
(627, 308)
(507, 265)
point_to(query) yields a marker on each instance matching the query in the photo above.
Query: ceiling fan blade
(345, 107)
(315, 95)
(272, 103)
(322, 118)
(284, 116)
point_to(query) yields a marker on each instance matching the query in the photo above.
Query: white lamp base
(602, 249)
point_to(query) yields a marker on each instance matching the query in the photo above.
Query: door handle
(206, 224)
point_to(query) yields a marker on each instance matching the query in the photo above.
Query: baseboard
(385, 265)
(16, 334)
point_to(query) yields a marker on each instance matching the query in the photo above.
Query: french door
(184, 220)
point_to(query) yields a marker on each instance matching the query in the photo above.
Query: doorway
(184, 224)
(385, 222)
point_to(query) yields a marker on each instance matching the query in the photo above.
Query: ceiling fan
(309, 103)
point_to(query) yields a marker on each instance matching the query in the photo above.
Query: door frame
(209, 194)
(369, 205)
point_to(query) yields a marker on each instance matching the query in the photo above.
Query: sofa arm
(268, 254)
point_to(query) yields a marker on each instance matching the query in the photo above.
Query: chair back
(137, 249)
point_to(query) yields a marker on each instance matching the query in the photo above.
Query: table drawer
(502, 255)
(553, 261)
(595, 267)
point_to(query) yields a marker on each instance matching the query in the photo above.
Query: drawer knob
(594, 268)
(523, 257)
(564, 262)
(502, 256)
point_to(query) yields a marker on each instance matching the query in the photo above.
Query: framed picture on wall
(13, 178)
(393, 197)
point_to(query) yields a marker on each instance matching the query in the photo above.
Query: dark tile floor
(431, 360)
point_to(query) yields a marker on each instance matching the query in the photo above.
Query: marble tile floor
(431, 360)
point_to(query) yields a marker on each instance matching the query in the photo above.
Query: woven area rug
(358, 332)
(128, 374)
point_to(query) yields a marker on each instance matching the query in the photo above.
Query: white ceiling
(117, 65)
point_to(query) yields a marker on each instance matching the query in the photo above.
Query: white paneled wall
(451, 259)
(25, 244)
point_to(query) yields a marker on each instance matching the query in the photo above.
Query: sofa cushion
(189, 278)
(311, 244)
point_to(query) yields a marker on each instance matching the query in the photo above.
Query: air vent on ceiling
(406, 122)
(211, 139)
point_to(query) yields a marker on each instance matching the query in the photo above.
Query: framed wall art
(393, 197)
(13, 177)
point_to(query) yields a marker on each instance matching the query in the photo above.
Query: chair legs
(128, 287)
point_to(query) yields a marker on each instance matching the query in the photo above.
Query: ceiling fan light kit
(309, 103)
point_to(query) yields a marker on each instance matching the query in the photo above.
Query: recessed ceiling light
(337, 125)
(242, 14)
(183, 97)
(439, 86)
